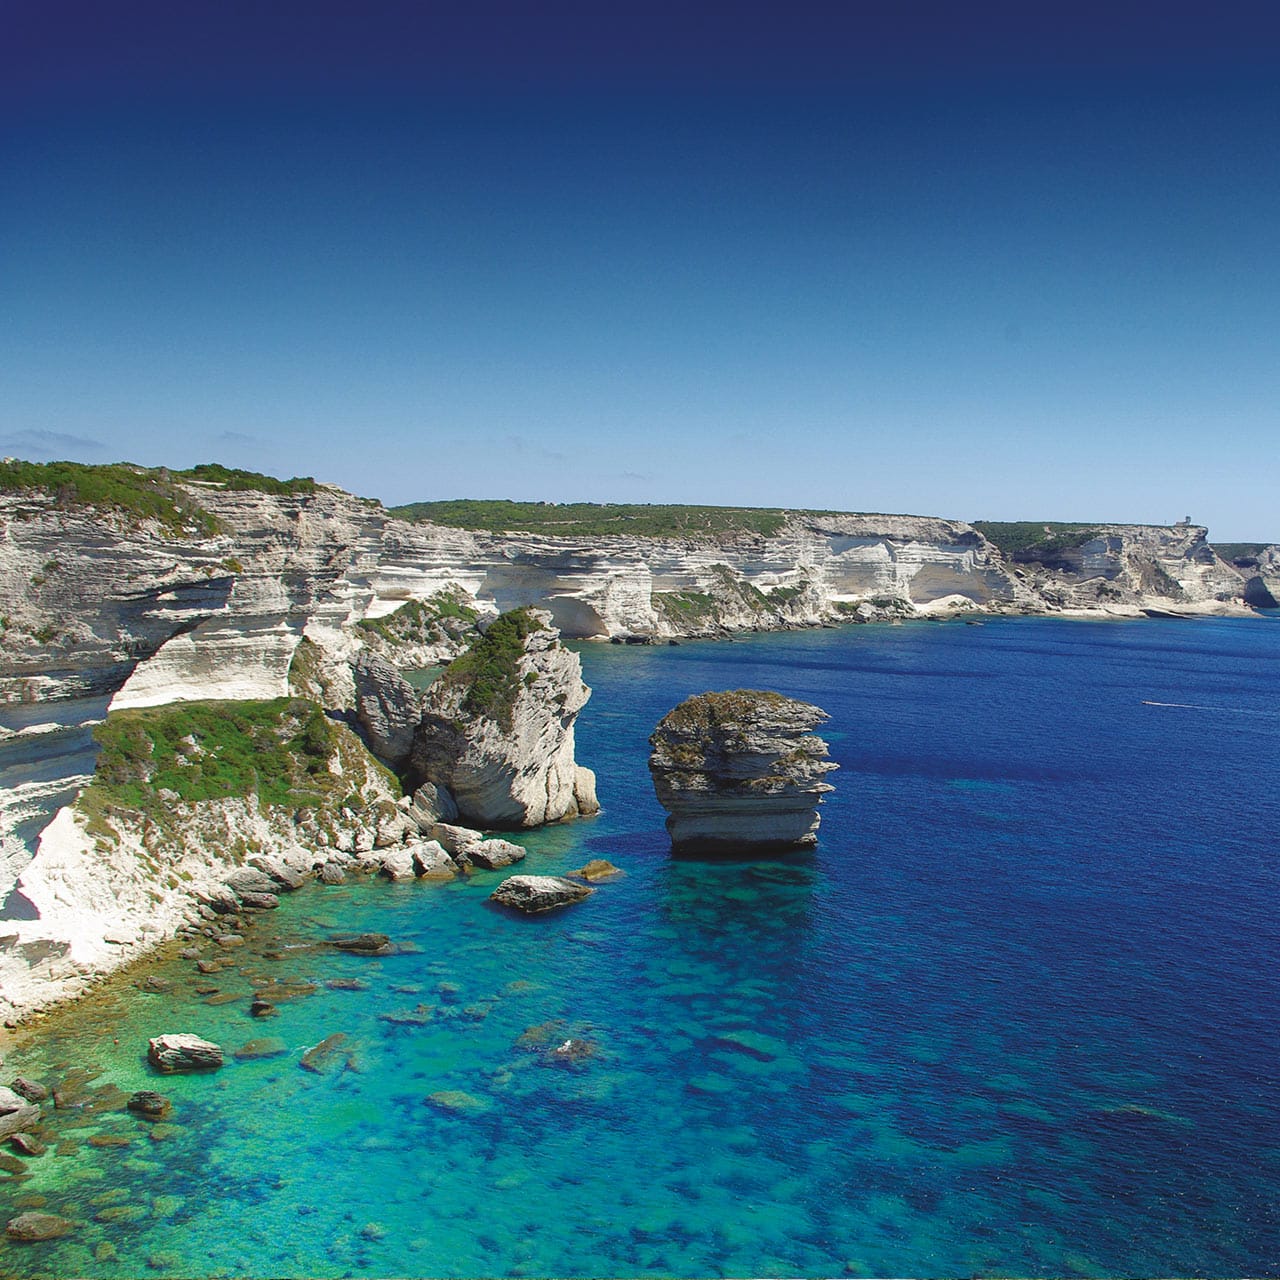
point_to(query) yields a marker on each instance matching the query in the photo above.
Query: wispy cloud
(526, 448)
(634, 475)
(39, 443)
(236, 437)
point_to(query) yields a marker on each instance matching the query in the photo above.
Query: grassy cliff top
(1231, 551)
(1030, 539)
(143, 493)
(594, 519)
(277, 749)
(140, 493)
(235, 479)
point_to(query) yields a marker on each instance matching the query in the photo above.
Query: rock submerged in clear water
(740, 772)
(28, 1228)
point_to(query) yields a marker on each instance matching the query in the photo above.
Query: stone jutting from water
(534, 894)
(740, 771)
(183, 1052)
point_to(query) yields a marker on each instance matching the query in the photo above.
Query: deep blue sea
(1017, 1014)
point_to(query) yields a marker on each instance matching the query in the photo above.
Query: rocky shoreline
(200, 814)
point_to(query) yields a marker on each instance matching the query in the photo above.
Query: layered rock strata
(497, 731)
(93, 601)
(740, 772)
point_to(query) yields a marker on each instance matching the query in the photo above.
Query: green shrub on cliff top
(277, 749)
(140, 492)
(237, 480)
(1031, 540)
(594, 519)
(490, 669)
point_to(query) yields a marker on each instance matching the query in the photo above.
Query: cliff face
(1132, 568)
(497, 728)
(91, 600)
(740, 771)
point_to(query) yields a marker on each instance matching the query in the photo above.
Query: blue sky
(983, 261)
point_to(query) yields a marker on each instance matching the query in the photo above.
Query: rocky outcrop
(387, 708)
(1260, 568)
(534, 894)
(183, 1052)
(497, 728)
(1127, 570)
(740, 772)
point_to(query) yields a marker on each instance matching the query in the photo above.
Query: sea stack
(497, 728)
(740, 772)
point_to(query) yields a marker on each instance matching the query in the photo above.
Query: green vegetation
(592, 519)
(681, 608)
(1233, 552)
(278, 750)
(234, 479)
(707, 712)
(490, 669)
(443, 615)
(684, 606)
(137, 492)
(781, 595)
(1024, 540)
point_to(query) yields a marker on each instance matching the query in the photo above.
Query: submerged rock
(599, 869)
(364, 944)
(457, 1102)
(183, 1052)
(740, 771)
(497, 727)
(30, 1227)
(320, 1057)
(262, 1047)
(29, 1089)
(150, 1105)
(532, 894)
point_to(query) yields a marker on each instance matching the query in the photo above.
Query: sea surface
(1018, 1013)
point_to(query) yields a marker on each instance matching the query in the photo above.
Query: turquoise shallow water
(1016, 1014)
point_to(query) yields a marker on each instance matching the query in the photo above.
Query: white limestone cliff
(92, 601)
(497, 728)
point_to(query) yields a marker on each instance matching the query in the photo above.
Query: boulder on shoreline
(740, 772)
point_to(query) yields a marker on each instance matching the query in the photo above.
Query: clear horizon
(992, 265)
